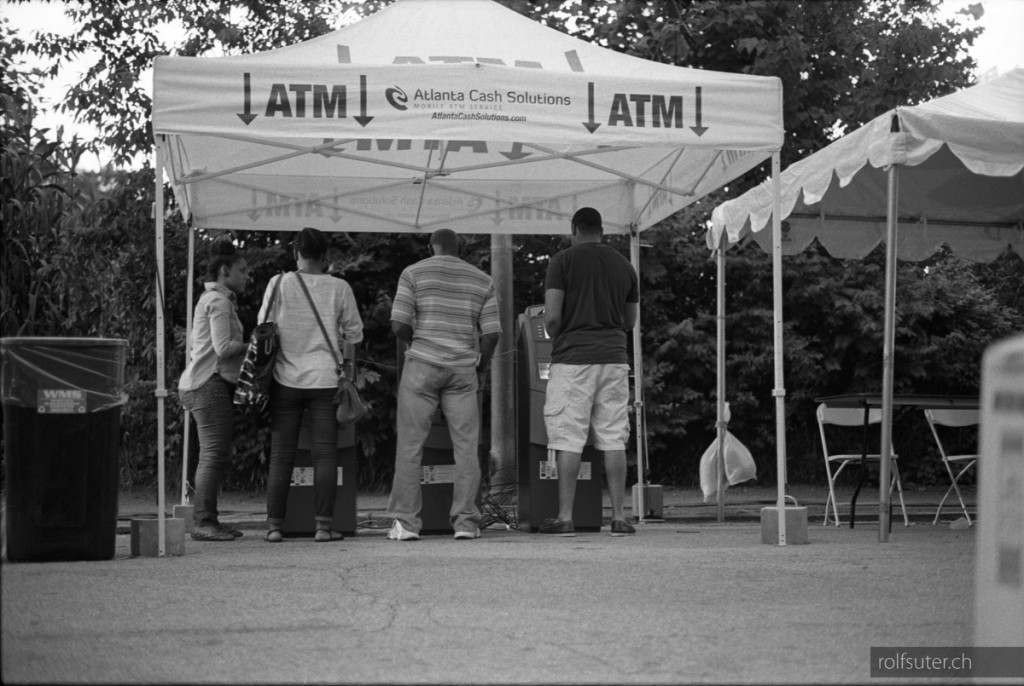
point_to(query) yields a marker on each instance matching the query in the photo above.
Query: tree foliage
(841, 63)
(81, 262)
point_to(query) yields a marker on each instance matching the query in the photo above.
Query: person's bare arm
(403, 332)
(553, 301)
(488, 343)
(632, 313)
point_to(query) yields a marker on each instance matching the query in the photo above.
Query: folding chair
(958, 419)
(852, 417)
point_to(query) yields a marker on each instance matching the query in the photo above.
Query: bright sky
(1000, 48)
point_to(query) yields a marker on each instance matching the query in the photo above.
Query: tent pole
(888, 346)
(638, 389)
(780, 391)
(503, 447)
(161, 389)
(186, 415)
(720, 421)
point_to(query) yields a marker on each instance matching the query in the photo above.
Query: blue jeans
(286, 407)
(211, 405)
(422, 387)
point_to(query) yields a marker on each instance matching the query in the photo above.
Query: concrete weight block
(185, 512)
(145, 537)
(653, 502)
(796, 525)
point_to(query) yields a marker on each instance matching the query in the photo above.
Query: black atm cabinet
(299, 516)
(537, 483)
(437, 483)
(437, 480)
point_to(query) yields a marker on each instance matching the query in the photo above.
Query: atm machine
(299, 515)
(537, 477)
(437, 480)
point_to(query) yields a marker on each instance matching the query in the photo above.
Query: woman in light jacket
(305, 379)
(208, 383)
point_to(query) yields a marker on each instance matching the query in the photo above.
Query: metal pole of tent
(720, 422)
(638, 387)
(161, 390)
(189, 280)
(780, 390)
(503, 409)
(887, 351)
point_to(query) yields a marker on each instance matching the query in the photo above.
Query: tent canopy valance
(456, 113)
(961, 160)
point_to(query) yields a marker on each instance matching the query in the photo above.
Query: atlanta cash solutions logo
(474, 99)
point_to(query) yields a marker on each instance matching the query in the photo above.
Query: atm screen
(537, 341)
(540, 333)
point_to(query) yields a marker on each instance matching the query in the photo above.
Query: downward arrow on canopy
(496, 217)
(591, 124)
(698, 129)
(247, 116)
(336, 215)
(362, 118)
(517, 152)
(254, 214)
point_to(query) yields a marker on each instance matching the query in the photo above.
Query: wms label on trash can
(60, 401)
(549, 470)
(438, 474)
(303, 476)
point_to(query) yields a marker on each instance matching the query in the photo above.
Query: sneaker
(555, 527)
(467, 535)
(621, 527)
(228, 529)
(209, 533)
(399, 533)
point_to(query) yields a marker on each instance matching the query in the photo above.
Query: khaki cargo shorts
(587, 400)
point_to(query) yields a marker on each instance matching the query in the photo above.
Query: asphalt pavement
(686, 600)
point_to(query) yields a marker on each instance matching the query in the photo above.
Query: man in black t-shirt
(591, 299)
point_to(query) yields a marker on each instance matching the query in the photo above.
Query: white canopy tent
(448, 113)
(948, 171)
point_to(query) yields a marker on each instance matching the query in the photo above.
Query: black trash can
(62, 401)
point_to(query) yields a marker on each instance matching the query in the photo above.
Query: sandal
(326, 535)
(274, 536)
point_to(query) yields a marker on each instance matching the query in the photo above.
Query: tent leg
(888, 346)
(161, 389)
(720, 423)
(186, 415)
(780, 391)
(503, 415)
(638, 391)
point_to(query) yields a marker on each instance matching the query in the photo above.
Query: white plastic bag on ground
(739, 466)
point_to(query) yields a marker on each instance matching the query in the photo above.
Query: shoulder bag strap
(318, 320)
(273, 297)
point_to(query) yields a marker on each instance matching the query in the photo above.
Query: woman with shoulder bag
(306, 378)
(208, 383)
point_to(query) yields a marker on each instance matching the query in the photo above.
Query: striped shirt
(305, 359)
(448, 303)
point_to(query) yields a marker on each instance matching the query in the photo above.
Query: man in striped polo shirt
(446, 311)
